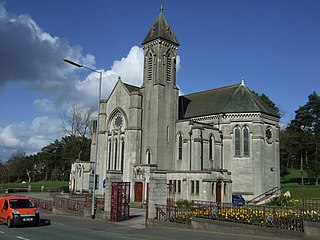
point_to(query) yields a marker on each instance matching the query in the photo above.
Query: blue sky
(273, 44)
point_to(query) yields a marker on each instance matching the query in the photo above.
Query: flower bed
(282, 218)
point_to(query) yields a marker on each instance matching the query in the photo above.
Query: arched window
(245, 141)
(242, 141)
(122, 154)
(211, 142)
(148, 156)
(109, 157)
(115, 154)
(180, 147)
(237, 141)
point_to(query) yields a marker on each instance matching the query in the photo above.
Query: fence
(282, 218)
(71, 204)
(43, 204)
(68, 203)
(311, 209)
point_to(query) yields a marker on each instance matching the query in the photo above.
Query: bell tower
(160, 95)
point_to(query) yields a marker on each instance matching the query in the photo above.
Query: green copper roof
(161, 29)
(230, 99)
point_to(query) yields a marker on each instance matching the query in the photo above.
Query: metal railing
(282, 218)
(311, 209)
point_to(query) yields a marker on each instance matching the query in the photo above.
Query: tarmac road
(79, 228)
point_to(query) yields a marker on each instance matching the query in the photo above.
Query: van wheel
(9, 223)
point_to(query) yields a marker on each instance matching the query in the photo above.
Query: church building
(200, 146)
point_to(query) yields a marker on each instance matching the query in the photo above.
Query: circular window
(269, 135)
(118, 121)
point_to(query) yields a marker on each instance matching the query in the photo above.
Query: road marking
(22, 238)
(1, 232)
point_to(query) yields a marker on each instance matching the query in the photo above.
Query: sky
(274, 45)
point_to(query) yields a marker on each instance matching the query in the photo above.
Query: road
(79, 228)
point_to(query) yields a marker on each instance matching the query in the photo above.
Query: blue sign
(104, 183)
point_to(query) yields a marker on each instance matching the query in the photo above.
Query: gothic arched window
(115, 153)
(122, 154)
(211, 142)
(109, 157)
(180, 147)
(245, 141)
(237, 141)
(148, 156)
(242, 141)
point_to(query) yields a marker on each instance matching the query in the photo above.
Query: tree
(16, 166)
(269, 102)
(304, 132)
(76, 124)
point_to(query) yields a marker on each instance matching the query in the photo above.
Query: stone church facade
(201, 146)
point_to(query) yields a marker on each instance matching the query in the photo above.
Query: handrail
(264, 195)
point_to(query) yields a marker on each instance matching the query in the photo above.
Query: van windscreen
(21, 203)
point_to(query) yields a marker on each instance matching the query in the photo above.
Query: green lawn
(292, 183)
(36, 186)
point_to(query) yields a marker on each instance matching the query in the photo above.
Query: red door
(138, 187)
(218, 192)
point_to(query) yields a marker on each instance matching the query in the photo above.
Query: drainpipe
(190, 134)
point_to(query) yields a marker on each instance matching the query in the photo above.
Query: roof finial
(242, 81)
(161, 6)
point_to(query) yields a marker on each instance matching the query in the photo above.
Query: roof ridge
(210, 90)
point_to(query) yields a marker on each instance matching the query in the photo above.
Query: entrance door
(218, 192)
(138, 187)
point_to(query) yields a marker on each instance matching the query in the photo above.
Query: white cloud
(44, 105)
(8, 136)
(29, 139)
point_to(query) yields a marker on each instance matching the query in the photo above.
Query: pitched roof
(161, 29)
(131, 88)
(230, 99)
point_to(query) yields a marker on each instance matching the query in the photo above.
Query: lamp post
(97, 137)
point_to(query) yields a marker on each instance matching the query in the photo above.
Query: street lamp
(97, 133)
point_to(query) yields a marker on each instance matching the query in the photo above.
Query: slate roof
(161, 29)
(131, 88)
(230, 99)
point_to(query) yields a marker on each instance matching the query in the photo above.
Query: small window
(148, 156)
(179, 186)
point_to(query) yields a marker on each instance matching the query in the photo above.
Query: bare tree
(76, 123)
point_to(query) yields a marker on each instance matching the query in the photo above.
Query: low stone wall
(311, 230)
(240, 228)
(234, 228)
